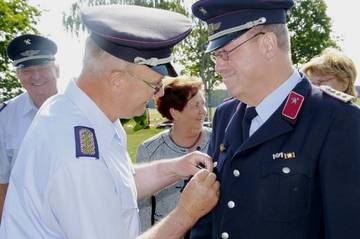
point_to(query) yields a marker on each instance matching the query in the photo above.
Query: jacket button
(231, 204)
(236, 173)
(286, 170)
(225, 235)
(215, 164)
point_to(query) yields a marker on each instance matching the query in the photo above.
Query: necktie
(250, 114)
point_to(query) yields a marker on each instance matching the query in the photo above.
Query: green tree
(310, 30)
(16, 17)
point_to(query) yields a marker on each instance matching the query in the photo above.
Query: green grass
(136, 138)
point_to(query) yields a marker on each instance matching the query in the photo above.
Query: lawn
(136, 138)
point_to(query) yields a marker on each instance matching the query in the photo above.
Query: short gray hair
(92, 55)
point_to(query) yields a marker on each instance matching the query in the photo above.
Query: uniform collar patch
(86, 143)
(293, 105)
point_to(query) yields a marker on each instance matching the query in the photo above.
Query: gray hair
(92, 56)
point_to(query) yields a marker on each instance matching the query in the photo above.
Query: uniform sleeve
(339, 169)
(4, 160)
(84, 203)
(145, 205)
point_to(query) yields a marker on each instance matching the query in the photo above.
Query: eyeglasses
(224, 54)
(155, 86)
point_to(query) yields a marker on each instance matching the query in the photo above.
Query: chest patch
(86, 143)
(293, 105)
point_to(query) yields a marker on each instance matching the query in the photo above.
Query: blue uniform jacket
(297, 179)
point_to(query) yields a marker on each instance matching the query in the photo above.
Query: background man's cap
(137, 34)
(229, 19)
(27, 50)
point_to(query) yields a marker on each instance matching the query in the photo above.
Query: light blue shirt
(15, 119)
(56, 193)
(273, 101)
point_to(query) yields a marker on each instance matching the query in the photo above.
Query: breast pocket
(285, 190)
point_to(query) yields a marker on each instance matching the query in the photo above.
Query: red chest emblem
(293, 105)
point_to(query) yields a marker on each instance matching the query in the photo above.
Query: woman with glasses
(332, 68)
(183, 103)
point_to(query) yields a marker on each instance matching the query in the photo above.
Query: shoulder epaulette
(2, 106)
(86, 143)
(337, 94)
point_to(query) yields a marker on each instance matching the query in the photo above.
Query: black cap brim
(164, 69)
(222, 41)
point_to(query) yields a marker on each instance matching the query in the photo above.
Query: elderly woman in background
(334, 69)
(183, 103)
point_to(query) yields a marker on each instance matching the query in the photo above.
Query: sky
(71, 48)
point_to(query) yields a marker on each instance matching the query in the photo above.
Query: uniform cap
(229, 19)
(137, 34)
(27, 50)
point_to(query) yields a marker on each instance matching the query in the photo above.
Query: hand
(200, 195)
(188, 165)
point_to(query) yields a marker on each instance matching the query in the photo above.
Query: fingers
(201, 175)
(210, 179)
(204, 159)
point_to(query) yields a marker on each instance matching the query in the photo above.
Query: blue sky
(71, 48)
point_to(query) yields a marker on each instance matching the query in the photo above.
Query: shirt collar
(273, 101)
(28, 105)
(104, 128)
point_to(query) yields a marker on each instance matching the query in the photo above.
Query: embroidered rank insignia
(293, 105)
(336, 94)
(86, 143)
(2, 106)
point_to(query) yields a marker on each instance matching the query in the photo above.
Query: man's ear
(116, 78)
(269, 44)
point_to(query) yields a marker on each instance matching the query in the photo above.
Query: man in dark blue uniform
(286, 152)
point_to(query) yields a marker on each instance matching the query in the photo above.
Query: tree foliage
(310, 30)
(16, 17)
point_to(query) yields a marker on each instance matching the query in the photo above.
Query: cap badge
(30, 53)
(86, 143)
(27, 42)
(293, 105)
(203, 10)
(213, 27)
